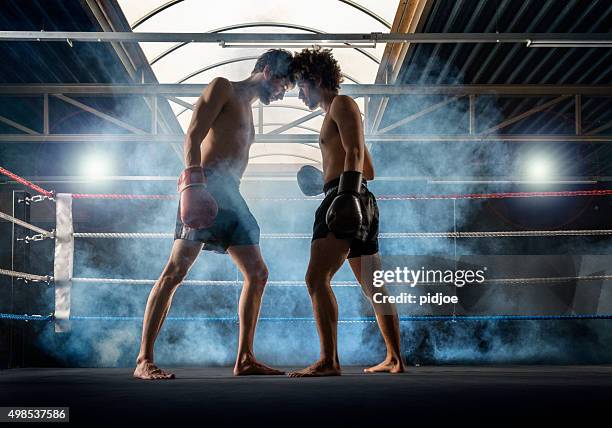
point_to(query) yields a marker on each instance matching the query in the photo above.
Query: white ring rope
(499, 234)
(128, 235)
(511, 281)
(27, 276)
(22, 223)
(546, 280)
(536, 280)
(204, 282)
(388, 235)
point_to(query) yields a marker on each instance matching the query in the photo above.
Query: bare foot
(320, 368)
(253, 367)
(390, 365)
(149, 371)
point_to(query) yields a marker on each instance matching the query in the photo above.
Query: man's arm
(345, 113)
(205, 112)
(368, 165)
(344, 214)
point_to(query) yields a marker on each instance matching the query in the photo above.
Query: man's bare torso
(229, 139)
(333, 153)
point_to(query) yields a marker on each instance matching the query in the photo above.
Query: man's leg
(386, 313)
(249, 260)
(183, 254)
(326, 256)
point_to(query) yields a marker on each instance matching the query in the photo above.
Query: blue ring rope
(310, 319)
(365, 319)
(409, 318)
(26, 317)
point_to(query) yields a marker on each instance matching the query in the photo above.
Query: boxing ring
(563, 393)
(64, 238)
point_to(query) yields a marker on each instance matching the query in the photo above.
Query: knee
(172, 276)
(257, 276)
(369, 290)
(316, 282)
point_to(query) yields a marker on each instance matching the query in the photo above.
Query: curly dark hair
(317, 64)
(279, 61)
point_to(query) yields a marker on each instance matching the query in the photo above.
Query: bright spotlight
(96, 166)
(539, 168)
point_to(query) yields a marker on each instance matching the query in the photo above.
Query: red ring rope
(26, 182)
(382, 198)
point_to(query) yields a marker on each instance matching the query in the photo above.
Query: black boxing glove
(344, 215)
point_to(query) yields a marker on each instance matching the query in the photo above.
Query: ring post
(63, 261)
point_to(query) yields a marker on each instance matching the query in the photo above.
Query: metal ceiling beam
(232, 61)
(557, 39)
(195, 90)
(171, 3)
(367, 11)
(408, 19)
(601, 128)
(254, 25)
(299, 121)
(99, 114)
(17, 126)
(415, 116)
(531, 111)
(109, 16)
(154, 12)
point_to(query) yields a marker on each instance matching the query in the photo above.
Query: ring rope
(128, 235)
(594, 192)
(502, 195)
(498, 234)
(289, 283)
(26, 183)
(121, 196)
(511, 281)
(205, 282)
(356, 320)
(26, 317)
(26, 276)
(388, 235)
(29, 226)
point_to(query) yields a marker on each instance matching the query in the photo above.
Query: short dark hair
(278, 61)
(317, 65)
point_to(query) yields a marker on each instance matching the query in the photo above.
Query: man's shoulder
(220, 85)
(343, 105)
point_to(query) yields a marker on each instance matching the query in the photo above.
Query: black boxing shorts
(364, 242)
(234, 224)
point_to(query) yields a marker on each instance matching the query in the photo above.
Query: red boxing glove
(198, 207)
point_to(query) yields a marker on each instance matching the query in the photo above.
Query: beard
(311, 104)
(265, 93)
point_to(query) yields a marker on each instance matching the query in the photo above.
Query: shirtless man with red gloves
(346, 222)
(212, 213)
